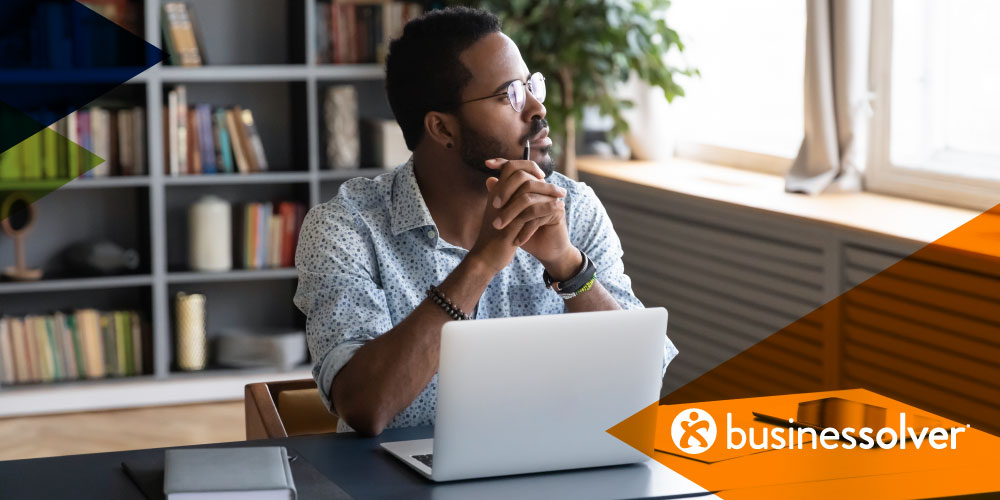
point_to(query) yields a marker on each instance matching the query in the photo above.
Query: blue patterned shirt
(366, 258)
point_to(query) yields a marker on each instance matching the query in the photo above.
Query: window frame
(881, 176)
(732, 157)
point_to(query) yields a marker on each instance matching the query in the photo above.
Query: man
(465, 228)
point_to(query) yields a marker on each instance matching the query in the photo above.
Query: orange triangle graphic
(922, 336)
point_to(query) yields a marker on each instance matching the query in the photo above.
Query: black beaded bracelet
(443, 302)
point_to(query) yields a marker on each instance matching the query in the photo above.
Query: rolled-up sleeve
(338, 290)
(591, 231)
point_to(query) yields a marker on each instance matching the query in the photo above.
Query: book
(180, 31)
(194, 142)
(139, 141)
(222, 143)
(55, 347)
(93, 360)
(239, 152)
(50, 152)
(22, 368)
(275, 232)
(32, 157)
(263, 218)
(173, 140)
(7, 353)
(323, 32)
(147, 473)
(66, 337)
(205, 138)
(10, 164)
(359, 31)
(78, 353)
(256, 144)
(125, 143)
(100, 130)
(108, 343)
(45, 357)
(73, 151)
(33, 349)
(239, 128)
(258, 347)
(263, 472)
(182, 131)
(137, 344)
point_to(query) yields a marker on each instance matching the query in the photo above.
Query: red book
(335, 48)
(287, 213)
(352, 28)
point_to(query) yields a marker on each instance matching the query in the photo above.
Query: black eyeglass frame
(527, 87)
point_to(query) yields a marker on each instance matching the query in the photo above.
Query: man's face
(490, 128)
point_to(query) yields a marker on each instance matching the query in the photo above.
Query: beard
(477, 148)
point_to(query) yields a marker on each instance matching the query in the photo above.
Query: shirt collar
(408, 208)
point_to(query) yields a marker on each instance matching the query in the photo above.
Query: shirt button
(431, 234)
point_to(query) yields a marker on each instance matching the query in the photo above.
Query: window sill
(884, 215)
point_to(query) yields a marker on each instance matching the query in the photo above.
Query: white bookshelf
(280, 81)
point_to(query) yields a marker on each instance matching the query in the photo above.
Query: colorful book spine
(208, 163)
(223, 143)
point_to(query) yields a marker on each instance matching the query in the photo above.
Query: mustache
(536, 127)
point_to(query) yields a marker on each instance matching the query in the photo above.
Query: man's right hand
(496, 247)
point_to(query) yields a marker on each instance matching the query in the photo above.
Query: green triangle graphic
(41, 164)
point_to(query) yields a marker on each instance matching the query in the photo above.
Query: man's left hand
(545, 237)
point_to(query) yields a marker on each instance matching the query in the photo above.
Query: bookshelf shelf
(143, 390)
(334, 72)
(343, 175)
(108, 182)
(234, 275)
(79, 75)
(58, 285)
(247, 73)
(81, 183)
(292, 177)
(265, 62)
(220, 372)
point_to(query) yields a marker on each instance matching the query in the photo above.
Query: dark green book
(56, 349)
(107, 322)
(77, 345)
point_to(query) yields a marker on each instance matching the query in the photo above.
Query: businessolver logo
(693, 431)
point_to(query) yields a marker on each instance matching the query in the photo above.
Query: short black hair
(422, 70)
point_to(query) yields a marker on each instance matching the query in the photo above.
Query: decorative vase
(192, 343)
(210, 235)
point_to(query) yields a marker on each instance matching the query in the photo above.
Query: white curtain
(833, 152)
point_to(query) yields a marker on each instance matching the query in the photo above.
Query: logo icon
(693, 431)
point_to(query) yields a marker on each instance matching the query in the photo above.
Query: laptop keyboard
(427, 459)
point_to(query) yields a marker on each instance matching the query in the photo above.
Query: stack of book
(65, 37)
(86, 344)
(116, 135)
(205, 139)
(270, 233)
(351, 32)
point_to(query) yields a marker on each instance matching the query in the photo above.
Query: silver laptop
(538, 393)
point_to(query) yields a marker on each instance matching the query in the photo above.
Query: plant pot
(652, 131)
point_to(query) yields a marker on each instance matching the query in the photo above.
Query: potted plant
(586, 49)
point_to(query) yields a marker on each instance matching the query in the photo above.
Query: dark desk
(356, 464)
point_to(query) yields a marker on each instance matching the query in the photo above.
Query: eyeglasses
(515, 92)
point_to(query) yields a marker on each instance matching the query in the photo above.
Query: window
(937, 81)
(746, 108)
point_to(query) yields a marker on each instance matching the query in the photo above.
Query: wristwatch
(583, 281)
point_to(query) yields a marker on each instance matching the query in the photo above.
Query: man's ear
(442, 128)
